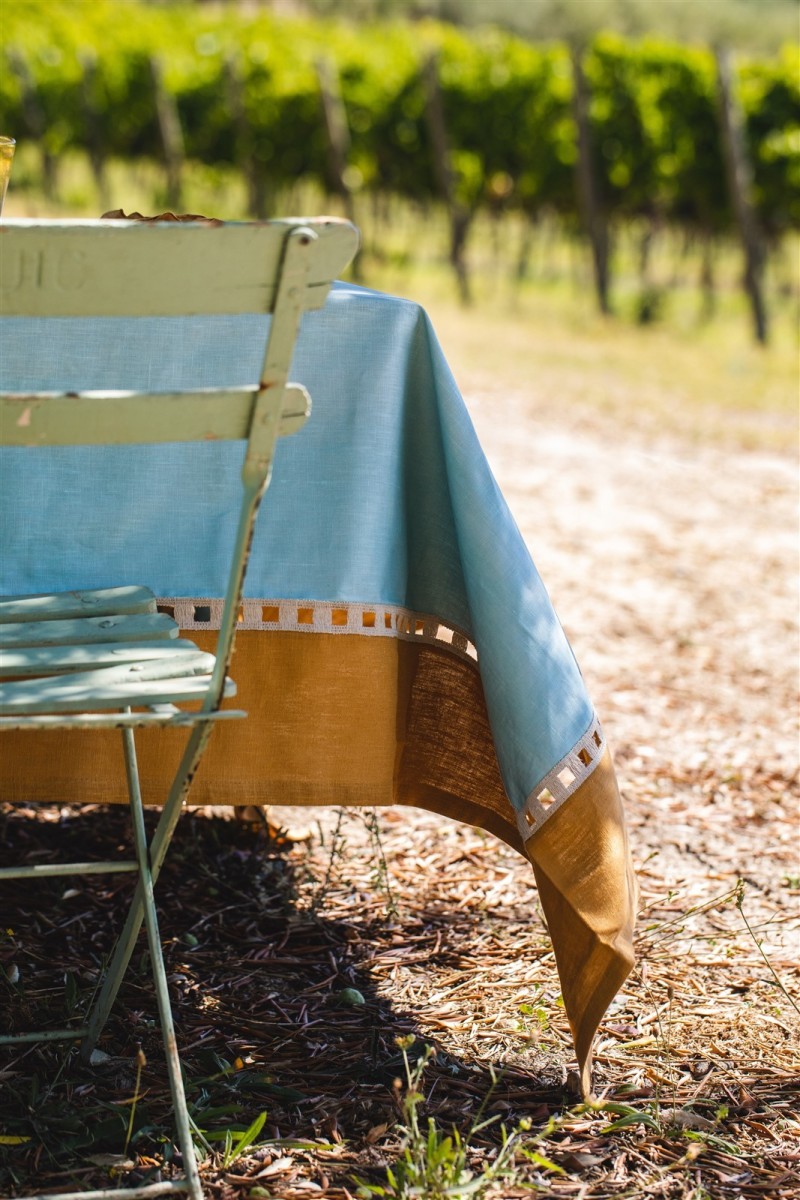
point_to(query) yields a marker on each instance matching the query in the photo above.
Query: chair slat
(145, 627)
(113, 695)
(121, 418)
(135, 685)
(48, 660)
(96, 602)
(74, 269)
(198, 662)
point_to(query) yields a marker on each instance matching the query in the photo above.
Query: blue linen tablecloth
(383, 529)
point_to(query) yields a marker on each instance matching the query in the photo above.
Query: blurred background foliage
(241, 97)
(764, 25)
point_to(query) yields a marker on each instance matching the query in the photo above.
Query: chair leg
(158, 849)
(159, 973)
(145, 902)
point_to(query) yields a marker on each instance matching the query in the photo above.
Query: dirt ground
(675, 572)
(674, 568)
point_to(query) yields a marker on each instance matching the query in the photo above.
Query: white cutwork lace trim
(564, 779)
(324, 616)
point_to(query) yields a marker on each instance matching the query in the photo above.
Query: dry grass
(680, 380)
(699, 1055)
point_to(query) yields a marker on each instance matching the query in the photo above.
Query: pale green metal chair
(101, 659)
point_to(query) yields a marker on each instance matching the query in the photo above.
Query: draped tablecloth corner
(588, 893)
(396, 643)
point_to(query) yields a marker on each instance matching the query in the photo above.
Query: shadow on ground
(267, 992)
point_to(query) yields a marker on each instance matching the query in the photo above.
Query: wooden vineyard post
(740, 186)
(169, 125)
(459, 216)
(244, 155)
(594, 217)
(707, 278)
(35, 119)
(338, 139)
(94, 135)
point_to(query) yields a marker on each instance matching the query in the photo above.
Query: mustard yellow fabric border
(588, 891)
(340, 719)
(332, 719)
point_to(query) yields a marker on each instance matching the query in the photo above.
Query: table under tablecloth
(396, 644)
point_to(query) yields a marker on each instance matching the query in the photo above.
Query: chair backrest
(167, 269)
(135, 269)
(164, 268)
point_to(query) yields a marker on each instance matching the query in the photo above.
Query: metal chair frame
(62, 676)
